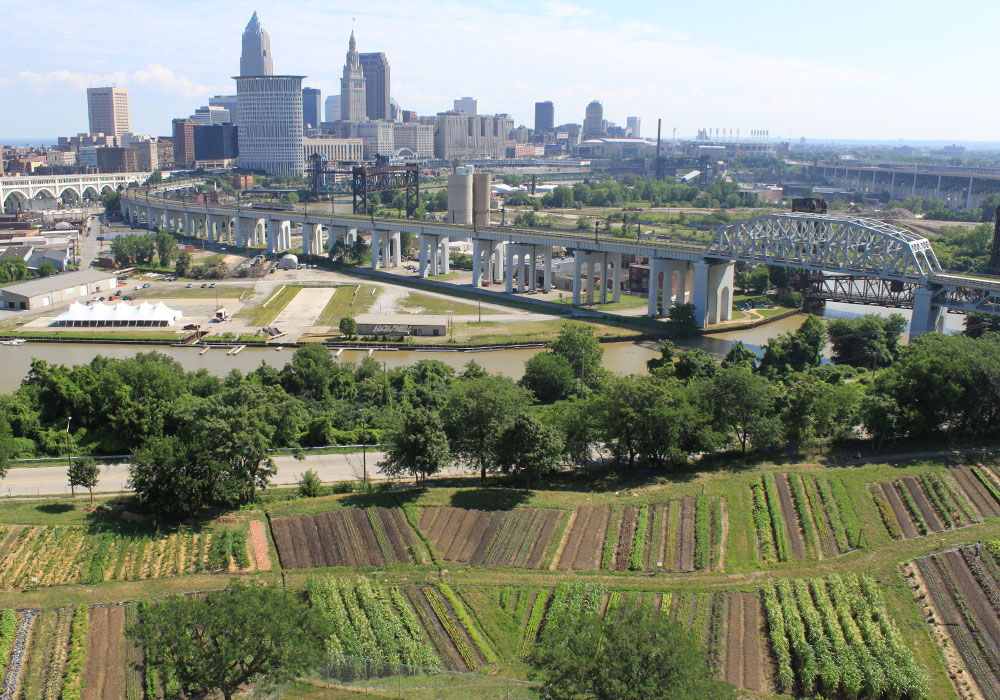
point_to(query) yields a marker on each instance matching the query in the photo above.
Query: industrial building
(401, 324)
(49, 291)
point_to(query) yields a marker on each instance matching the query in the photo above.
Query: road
(49, 481)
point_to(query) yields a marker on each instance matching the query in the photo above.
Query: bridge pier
(927, 317)
(712, 293)
(434, 255)
(487, 261)
(386, 243)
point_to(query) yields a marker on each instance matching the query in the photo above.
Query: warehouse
(401, 324)
(50, 291)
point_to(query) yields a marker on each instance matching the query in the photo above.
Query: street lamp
(364, 448)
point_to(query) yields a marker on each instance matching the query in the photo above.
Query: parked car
(212, 286)
(187, 286)
(146, 285)
(192, 327)
(204, 285)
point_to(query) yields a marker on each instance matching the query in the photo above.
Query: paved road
(48, 481)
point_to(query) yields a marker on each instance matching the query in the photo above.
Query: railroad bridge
(16, 191)
(700, 275)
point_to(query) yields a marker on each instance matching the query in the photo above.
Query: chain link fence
(402, 682)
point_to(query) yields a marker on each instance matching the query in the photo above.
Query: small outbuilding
(401, 324)
(288, 262)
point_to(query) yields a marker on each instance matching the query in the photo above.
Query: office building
(418, 139)
(334, 149)
(211, 114)
(467, 105)
(312, 110)
(164, 152)
(353, 102)
(107, 108)
(375, 67)
(218, 142)
(593, 120)
(270, 128)
(256, 58)
(227, 102)
(545, 116)
(461, 135)
(147, 154)
(117, 160)
(410, 117)
(633, 126)
(184, 141)
(377, 137)
(332, 108)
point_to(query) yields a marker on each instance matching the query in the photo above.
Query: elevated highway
(16, 190)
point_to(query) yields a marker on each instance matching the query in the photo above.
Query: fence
(402, 682)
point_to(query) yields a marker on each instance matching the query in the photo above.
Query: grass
(445, 276)
(419, 303)
(265, 313)
(626, 302)
(102, 335)
(495, 332)
(227, 291)
(348, 300)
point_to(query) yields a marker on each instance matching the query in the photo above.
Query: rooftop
(45, 285)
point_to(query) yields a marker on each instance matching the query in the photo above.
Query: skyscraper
(270, 138)
(333, 108)
(634, 126)
(256, 58)
(545, 116)
(226, 102)
(467, 105)
(376, 69)
(107, 109)
(593, 120)
(352, 86)
(312, 107)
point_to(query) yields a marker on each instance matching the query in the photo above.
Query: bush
(792, 300)
(310, 485)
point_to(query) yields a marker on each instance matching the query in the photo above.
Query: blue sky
(880, 70)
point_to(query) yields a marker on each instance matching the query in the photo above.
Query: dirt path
(754, 658)
(735, 629)
(792, 525)
(685, 536)
(906, 523)
(561, 547)
(927, 511)
(724, 536)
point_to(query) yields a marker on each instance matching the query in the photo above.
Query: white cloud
(165, 79)
(564, 10)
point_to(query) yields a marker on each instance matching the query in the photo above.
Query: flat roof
(402, 319)
(46, 285)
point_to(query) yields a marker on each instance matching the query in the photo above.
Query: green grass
(418, 303)
(228, 291)
(265, 313)
(441, 278)
(348, 300)
(626, 302)
(101, 335)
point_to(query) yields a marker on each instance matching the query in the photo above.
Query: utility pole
(364, 448)
(69, 455)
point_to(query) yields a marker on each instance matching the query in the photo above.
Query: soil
(724, 535)
(551, 521)
(104, 666)
(561, 547)
(685, 536)
(577, 526)
(822, 518)
(975, 599)
(435, 630)
(258, 544)
(906, 523)
(334, 552)
(976, 492)
(626, 535)
(462, 631)
(927, 510)
(792, 525)
(454, 525)
(592, 546)
(734, 642)
(493, 523)
(753, 660)
(811, 517)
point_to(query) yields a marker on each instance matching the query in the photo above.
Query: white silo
(482, 183)
(460, 199)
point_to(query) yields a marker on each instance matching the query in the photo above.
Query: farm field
(344, 537)
(959, 591)
(43, 556)
(913, 506)
(517, 538)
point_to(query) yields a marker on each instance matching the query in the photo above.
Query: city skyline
(691, 67)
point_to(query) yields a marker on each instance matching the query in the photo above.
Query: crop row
(635, 562)
(77, 647)
(437, 605)
(777, 520)
(834, 637)
(762, 523)
(702, 532)
(8, 629)
(888, 516)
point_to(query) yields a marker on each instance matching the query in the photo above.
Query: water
(620, 358)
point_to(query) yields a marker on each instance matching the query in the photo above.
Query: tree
(583, 223)
(310, 485)
(759, 279)
(626, 654)
(222, 642)
(694, 364)
(549, 377)
(183, 263)
(13, 270)
(418, 446)
(578, 344)
(83, 472)
(795, 352)
(529, 447)
(682, 320)
(744, 406)
(47, 268)
(6, 444)
(662, 366)
(112, 202)
(155, 178)
(871, 341)
(166, 244)
(476, 412)
(740, 356)
(348, 326)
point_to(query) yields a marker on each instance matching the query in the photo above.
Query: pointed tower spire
(256, 58)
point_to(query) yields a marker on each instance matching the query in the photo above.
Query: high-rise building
(634, 127)
(227, 102)
(117, 160)
(353, 102)
(375, 66)
(184, 140)
(467, 105)
(545, 116)
(219, 142)
(417, 138)
(256, 57)
(270, 128)
(593, 120)
(332, 108)
(212, 114)
(460, 135)
(377, 137)
(107, 108)
(312, 110)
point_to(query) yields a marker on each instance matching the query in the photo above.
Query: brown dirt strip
(461, 532)
(734, 642)
(477, 539)
(258, 541)
(603, 607)
(685, 536)
(810, 517)
(333, 555)
(752, 661)
(493, 524)
(724, 537)
(427, 518)
(313, 539)
(462, 631)
(450, 530)
(656, 604)
(299, 543)
(286, 553)
(435, 630)
(906, 523)
(626, 535)
(980, 497)
(592, 545)
(368, 539)
(440, 529)
(564, 541)
(392, 535)
(104, 670)
(978, 604)
(549, 523)
(524, 537)
(403, 526)
(792, 525)
(576, 528)
(928, 512)
(822, 519)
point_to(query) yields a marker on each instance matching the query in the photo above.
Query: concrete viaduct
(702, 276)
(16, 191)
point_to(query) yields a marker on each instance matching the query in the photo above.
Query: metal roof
(55, 283)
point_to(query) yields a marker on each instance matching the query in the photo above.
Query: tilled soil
(906, 523)
(589, 556)
(626, 535)
(927, 511)
(792, 526)
(685, 536)
(576, 532)
(339, 538)
(822, 519)
(435, 630)
(975, 491)
(104, 666)
(734, 642)
(258, 542)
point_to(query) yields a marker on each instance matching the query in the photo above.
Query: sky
(886, 69)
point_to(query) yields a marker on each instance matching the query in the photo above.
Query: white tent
(99, 314)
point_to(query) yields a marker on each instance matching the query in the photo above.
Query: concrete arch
(16, 201)
(90, 192)
(107, 188)
(46, 190)
(72, 190)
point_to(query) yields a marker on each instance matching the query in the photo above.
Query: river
(620, 358)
